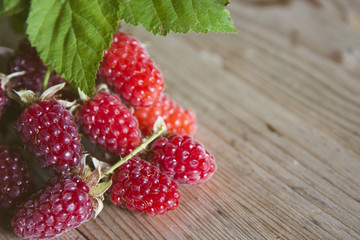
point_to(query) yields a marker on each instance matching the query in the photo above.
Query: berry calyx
(178, 120)
(128, 69)
(4, 87)
(183, 159)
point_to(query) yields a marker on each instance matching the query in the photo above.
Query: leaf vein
(102, 13)
(157, 15)
(77, 48)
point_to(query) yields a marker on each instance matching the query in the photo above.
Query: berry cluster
(126, 124)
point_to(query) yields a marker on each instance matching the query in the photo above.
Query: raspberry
(108, 122)
(63, 204)
(143, 188)
(177, 119)
(27, 59)
(50, 133)
(182, 159)
(4, 101)
(128, 69)
(15, 181)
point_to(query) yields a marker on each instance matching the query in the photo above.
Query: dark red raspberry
(108, 122)
(177, 119)
(27, 59)
(4, 101)
(50, 133)
(129, 71)
(182, 159)
(142, 187)
(63, 204)
(15, 182)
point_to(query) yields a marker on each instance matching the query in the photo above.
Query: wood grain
(278, 105)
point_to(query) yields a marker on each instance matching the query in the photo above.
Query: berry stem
(46, 79)
(5, 51)
(135, 151)
(5, 79)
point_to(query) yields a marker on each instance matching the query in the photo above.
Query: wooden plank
(281, 115)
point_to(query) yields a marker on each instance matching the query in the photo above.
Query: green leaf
(71, 36)
(11, 7)
(163, 16)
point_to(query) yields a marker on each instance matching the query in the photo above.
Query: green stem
(46, 79)
(135, 151)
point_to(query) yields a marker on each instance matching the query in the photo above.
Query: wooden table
(278, 104)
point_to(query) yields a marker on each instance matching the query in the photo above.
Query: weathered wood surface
(279, 106)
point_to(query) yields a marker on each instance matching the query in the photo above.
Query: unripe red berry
(177, 119)
(130, 72)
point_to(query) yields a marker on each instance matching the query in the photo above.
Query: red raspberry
(50, 133)
(177, 119)
(109, 123)
(183, 159)
(143, 188)
(63, 204)
(128, 69)
(27, 59)
(15, 181)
